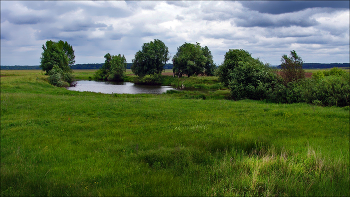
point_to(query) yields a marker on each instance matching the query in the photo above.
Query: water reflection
(118, 88)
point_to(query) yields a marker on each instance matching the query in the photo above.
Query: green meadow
(56, 142)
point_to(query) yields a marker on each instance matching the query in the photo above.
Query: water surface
(118, 88)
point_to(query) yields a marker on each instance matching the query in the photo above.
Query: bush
(318, 75)
(335, 72)
(330, 91)
(252, 80)
(155, 79)
(58, 77)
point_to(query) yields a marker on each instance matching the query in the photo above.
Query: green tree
(113, 69)
(292, 67)
(151, 59)
(252, 80)
(209, 67)
(57, 53)
(68, 50)
(192, 59)
(232, 59)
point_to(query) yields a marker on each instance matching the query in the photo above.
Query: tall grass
(56, 142)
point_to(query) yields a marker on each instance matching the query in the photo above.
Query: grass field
(56, 142)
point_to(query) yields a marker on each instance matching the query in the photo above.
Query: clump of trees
(245, 76)
(56, 60)
(149, 62)
(151, 59)
(113, 69)
(192, 59)
(248, 78)
(233, 58)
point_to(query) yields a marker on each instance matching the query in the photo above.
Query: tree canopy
(113, 69)
(151, 59)
(232, 59)
(59, 53)
(192, 59)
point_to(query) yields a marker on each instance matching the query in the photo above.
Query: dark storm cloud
(279, 7)
(255, 19)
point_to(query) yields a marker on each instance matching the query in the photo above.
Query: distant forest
(169, 66)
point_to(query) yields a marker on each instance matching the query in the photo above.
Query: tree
(151, 59)
(232, 59)
(292, 67)
(209, 67)
(56, 60)
(252, 80)
(54, 54)
(192, 59)
(113, 69)
(68, 50)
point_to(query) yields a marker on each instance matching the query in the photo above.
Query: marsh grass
(56, 142)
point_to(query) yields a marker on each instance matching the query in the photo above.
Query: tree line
(245, 76)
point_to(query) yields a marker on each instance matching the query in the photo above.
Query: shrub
(58, 77)
(330, 91)
(335, 72)
(318, 75)
(252, 80)
(155, 79)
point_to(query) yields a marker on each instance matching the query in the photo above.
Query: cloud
(280, 7)
(301, 18)
(183, 4)
(22, 16)
(266, 29)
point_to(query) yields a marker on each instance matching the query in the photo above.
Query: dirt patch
(307, 75)
(167, 73)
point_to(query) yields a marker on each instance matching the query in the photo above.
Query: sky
(317, 30)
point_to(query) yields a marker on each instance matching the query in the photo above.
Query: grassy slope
(60, 142)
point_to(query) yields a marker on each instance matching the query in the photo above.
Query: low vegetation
(205, 139)
(248, 78)
(57, 142)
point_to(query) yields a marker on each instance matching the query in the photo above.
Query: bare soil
(307, 75)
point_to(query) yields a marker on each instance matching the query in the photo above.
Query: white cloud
(95, 28)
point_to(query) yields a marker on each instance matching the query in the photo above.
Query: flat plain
(56, 142)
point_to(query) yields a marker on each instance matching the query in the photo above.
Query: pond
(118, 88)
